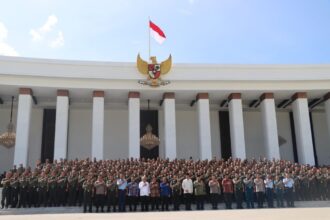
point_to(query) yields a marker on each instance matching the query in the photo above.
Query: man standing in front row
(187, 186)
(122, 184)
(144, 193)
(288, 184)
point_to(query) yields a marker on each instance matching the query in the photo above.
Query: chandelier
(8, 138)
(149, 140)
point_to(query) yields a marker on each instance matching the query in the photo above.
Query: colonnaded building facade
(80, 109)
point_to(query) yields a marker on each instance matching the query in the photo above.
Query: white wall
(80, 133)
(322, 140)
(253, 134)
(215, 134)
(35, 138)
(284, 130)
(186, 134)
(115, 134)
(254, 138)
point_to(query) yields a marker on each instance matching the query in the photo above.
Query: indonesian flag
(157, 33)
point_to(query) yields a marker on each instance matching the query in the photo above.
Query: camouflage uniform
(88, 187)
(6, 193)
(23, 190)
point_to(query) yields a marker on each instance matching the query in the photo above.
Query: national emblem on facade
(154, 71)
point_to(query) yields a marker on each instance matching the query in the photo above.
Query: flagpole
(149, 36)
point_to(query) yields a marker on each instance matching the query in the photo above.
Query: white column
(98, 125)
(302, 128)
(169, 125)
(134, 124)
(204, 126)
(23, 126)
(61, 125)
(236, 126)
(327, 111)
(269, 125)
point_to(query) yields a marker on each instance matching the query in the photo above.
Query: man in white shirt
(187, 186)
(144, 193)
(289, 184)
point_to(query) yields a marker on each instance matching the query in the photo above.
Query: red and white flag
(157, 33)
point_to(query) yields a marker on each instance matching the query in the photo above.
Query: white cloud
(36, 36)
(3, 32)
(5, 49)
(59, 41)
(50, 23)
(40, 33)
(46, 31)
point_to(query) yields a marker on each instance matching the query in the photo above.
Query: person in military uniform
(249, 188)
(88, 187)
(52, 189)
(112, 191)
(14, 185)
(42, 190)
(23, 189)
(327, 175)
(72, 188)
(199, 190)
(33, 190)
(61, 189)
(176, 192)
(6, 191)
(238, 190)
(321, 185)
(303, 186)
(80, 192)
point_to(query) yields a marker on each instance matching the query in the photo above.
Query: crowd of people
(161, 184)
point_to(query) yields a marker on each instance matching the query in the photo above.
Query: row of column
(269, 123)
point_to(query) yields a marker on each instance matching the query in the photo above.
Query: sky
(197, 31)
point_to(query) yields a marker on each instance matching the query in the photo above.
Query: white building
(78, 109)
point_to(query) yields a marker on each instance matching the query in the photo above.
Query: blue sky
(198, 31)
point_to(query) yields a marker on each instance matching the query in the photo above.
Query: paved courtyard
(260, 214)
(57, 210)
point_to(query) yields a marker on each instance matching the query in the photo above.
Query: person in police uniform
(88, 187)
(23, 189)
(6, 191)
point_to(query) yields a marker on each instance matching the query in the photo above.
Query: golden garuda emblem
(154, 71)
